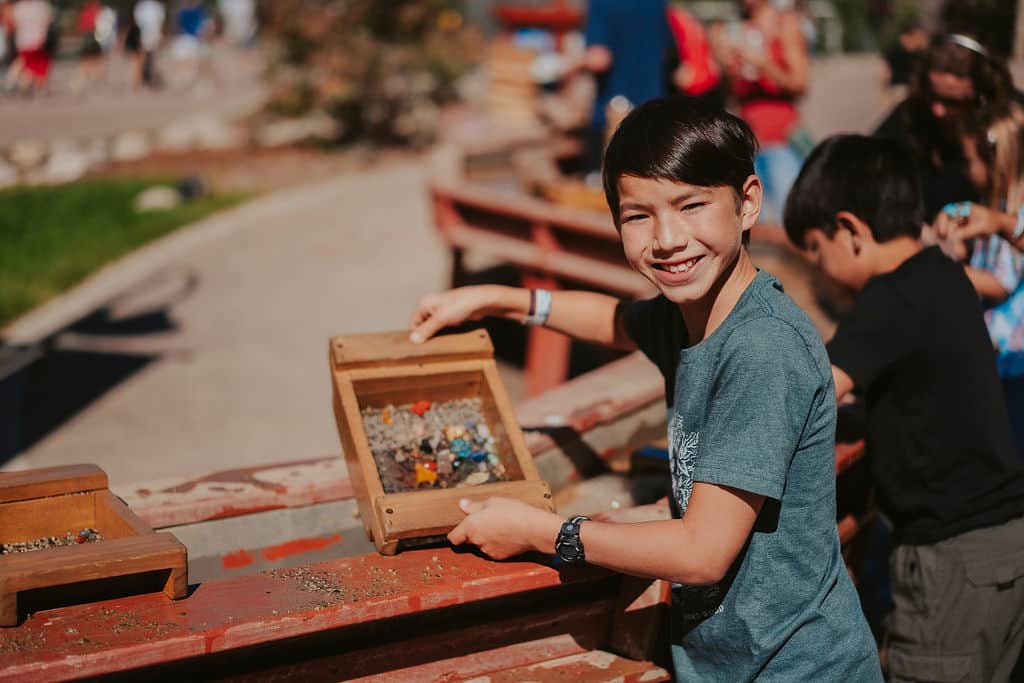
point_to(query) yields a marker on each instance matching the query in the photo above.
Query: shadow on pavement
(44, 385)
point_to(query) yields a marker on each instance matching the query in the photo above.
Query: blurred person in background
(955, 78)
(239, 17)
(7, 49)
(767, 64)
(189, 50)
(901, 59)
(696, 73)
(96, 27)
(34, 40)
(629, 48)
(148, 17)
(985, 237)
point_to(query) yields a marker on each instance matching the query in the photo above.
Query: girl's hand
(967, 220)
(951, 245)
(443, 309)
(503, 528)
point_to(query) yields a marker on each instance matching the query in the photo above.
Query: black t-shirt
(938, 435)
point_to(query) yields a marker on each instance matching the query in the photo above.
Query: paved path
(114, 107)
(279, 276)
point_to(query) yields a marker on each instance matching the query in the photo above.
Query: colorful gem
(385, 416)
(420, 407)
(479, 456)
(477, 478)
(424, 475)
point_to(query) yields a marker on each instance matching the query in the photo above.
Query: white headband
(968, 42)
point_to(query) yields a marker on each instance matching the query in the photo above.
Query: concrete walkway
(113, 106)
(276, 278)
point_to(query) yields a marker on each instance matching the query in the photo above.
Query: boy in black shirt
(938, 435)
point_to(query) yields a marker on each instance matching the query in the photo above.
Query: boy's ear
(859, 233)
(750, 202)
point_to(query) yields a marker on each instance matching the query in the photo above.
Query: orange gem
(424, 475)
(385, 416)
(420, 407)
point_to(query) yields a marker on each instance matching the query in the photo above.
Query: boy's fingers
(470, 506)
(458, 535)
(425, 330)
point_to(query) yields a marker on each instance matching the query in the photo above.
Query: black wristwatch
(568, 546)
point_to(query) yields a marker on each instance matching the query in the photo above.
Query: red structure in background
(558, 17)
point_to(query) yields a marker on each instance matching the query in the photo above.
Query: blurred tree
(381, 67)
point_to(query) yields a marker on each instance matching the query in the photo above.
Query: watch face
(568, 551)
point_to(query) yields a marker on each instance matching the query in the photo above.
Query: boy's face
(683, 238)
(837, 257)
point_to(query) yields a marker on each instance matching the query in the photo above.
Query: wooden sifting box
(377, 370)
(56, 500)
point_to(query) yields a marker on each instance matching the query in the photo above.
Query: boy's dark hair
(680, 139)
(872, 178)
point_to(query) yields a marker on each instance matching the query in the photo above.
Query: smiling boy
(753, 551)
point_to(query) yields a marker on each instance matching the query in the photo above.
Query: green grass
(53, 237)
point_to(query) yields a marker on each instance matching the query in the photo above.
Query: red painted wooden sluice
(429, 614)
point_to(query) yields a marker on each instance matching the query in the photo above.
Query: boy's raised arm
(587, 316)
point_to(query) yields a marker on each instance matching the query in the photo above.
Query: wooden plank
(596, 666)
(239, 491)
(436, 512)
(272, 607)
(617, 278)
(497, 640)
(50, 481)
(641, 619)
(69, 564)
(526, 208)
(28, 520)
(115, 520)
(394, 348)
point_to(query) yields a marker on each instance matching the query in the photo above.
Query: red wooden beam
(221, 616)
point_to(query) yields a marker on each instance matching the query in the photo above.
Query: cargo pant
(958, 607)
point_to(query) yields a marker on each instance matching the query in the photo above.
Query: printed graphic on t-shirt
(695, 603)
(683, 451)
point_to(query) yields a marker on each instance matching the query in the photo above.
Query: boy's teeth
(681, 268)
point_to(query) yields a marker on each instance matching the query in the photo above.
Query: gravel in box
(432, 445)
(83, 536)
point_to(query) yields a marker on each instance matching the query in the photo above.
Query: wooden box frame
(55, 500)
(377, 369)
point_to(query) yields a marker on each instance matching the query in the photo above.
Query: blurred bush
(381, 68)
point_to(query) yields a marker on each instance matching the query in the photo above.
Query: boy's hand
(440, 310)
(503, 528)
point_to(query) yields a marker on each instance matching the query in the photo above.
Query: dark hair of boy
(830, 182)
(683, 140)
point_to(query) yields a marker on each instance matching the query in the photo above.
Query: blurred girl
(994, 150)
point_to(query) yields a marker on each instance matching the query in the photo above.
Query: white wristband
(541, 305)
(1018, 229)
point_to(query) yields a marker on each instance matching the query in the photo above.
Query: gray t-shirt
(752, 407)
